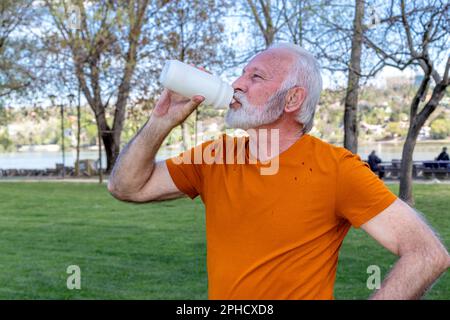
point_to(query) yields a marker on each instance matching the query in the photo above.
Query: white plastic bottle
(190, 81)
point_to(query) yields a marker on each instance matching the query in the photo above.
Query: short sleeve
(360, 194)
(186, 170)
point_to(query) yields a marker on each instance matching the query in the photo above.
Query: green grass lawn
(150, 251)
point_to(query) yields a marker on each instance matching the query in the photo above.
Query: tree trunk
(351, 97)
(112, 149)
(406, 168)
(267, 28)
(185, 135)
(416, 123)
(77, 161)
(100, 162)
(110, 141)
(196, 127)
(300, 24)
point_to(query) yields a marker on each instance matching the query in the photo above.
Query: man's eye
(257, 76)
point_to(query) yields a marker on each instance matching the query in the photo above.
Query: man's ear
(294, 99)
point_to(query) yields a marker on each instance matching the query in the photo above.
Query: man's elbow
(439, 257)
(431, 255)
(445, 261)
(117, 193)
(135, 197)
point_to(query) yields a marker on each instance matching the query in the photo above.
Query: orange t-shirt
(278, 236)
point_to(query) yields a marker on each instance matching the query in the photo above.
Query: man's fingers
(164, 94)
(189, 107)
(162, 104)
(200, 68)
(203, 69)
(198, 99)
(193, 103)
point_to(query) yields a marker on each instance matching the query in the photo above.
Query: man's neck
(289, 132)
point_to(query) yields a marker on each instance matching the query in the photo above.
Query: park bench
(436, 169)
(421, 169)
(87, 167)
(391, 170)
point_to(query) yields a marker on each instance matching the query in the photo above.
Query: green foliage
(394, 130)
(43, 126)
(6, 144)
(440, 128)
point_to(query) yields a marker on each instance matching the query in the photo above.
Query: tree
(194, 34)
(262, 15)
(283, 19)
(415, 35)
(104, 47)
(15, 48)
(340, 46)
(354, 71)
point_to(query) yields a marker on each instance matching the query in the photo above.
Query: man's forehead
(270, 61)
(250, 67)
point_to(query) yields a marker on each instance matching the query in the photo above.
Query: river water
(42, 160)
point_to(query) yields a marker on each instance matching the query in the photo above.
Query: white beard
(250, 116)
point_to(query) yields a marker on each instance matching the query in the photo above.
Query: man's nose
(240, 84)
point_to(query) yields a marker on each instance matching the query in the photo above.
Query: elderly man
(277, 236)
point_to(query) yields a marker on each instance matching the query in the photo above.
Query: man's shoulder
(326, 149)
(334, 156)
(220, 145)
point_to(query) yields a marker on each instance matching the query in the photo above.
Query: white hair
(305, 72)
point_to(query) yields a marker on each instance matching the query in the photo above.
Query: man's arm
(136, 177)
(423, 258)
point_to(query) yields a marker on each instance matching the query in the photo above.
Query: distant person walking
(443, 156)
(374, 163)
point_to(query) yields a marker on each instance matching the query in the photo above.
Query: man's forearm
(135, 163)
(411, 277)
